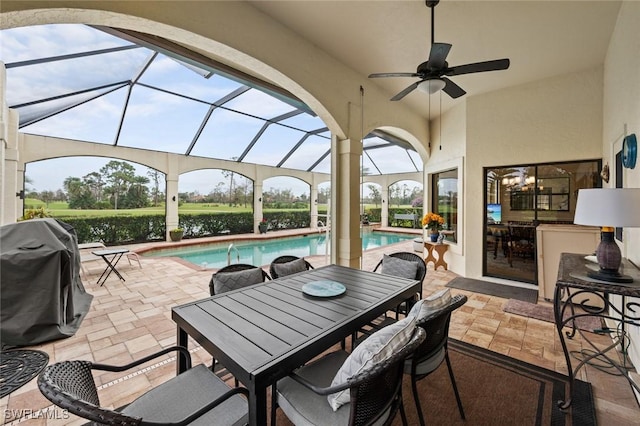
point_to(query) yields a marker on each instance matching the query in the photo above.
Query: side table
(573, 290)
(440, 249)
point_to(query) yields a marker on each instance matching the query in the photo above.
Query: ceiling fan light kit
(433, 73)
(431, 86)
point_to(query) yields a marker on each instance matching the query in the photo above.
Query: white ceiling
(541, 38)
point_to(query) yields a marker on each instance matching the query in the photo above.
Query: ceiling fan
(433, 72)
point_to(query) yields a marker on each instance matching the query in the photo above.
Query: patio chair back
(282, 260)
(236, 276)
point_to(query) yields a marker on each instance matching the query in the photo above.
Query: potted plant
(433, 222)
(263, 225)
(176, 234)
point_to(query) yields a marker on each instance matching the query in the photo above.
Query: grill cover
(41, 294)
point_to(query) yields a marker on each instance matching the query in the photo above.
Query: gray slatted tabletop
(263, 332)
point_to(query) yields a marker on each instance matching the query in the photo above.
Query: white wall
(622, 106)
(555, 119)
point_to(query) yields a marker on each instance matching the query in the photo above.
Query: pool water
(262, 252)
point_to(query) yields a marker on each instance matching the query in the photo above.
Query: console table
(441, 249)
(573, 296)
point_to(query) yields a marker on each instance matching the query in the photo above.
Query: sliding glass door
(517, 199)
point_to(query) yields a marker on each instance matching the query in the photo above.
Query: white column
(257, 204)
(346, 244)
(314, 206)
(12, 173)
(171, 201)
(384, 195)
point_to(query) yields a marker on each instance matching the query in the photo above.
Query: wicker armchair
(433, 351)
(282, 260)
(238, 280)
(196, 394)
(375, 393)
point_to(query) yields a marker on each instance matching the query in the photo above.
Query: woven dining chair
(434, 350)
(234, 276)
(375, 393)
(286, 265)
(197, 395)
(420, 273)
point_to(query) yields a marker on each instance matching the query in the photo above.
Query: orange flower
(432, 221)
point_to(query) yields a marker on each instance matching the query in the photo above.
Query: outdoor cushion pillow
(374, 349)
(295, 266)
(430, 304)
(399, 267)
(227, 281)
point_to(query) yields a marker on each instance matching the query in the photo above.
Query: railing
(231, 246)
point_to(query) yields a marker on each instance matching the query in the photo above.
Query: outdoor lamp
(608, 208)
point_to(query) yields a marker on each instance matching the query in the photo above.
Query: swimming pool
(262, 252)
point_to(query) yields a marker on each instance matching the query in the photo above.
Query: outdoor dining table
(263, 332)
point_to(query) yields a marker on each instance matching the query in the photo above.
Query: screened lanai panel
(392, 159)
(226, 135)
(368, 168)
(273, 145)
(31, 113)
(304, 121)
(160, 121)
(416, 159)
(44, 41)
(168, 74)
(258, 104)
(94, 121)
(304, 157)
(63, 77)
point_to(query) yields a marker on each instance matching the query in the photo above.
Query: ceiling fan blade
(438, 55)
(452, 89)
(393, 74)
(495, 65)
(406, 91)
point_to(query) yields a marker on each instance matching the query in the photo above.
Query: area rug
(495, 390)
(545, 313)
(18, 367)
(494, 289)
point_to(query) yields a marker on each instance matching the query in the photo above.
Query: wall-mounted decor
(629, 151)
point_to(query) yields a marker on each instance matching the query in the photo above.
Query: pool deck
(130, 319)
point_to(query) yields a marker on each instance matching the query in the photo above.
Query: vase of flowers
(262, 226)
(433, 222)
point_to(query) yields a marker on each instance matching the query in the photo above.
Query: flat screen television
(494, 213)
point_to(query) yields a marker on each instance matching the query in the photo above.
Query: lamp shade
(431, 86)
(612, 207)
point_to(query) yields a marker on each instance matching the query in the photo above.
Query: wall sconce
(315, 201)
(20, 194)
(260, 199)
(173, 198)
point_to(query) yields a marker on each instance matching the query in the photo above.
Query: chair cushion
(428, 365)
(289, 268)
(399, 267)
(375, 349)
(227, 281)
(430, 304)
(303, 406)
(185, 394)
